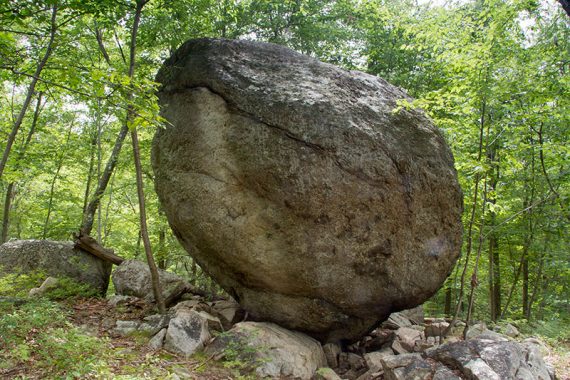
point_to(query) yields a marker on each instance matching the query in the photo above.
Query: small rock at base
(157, 340)
(326, 373)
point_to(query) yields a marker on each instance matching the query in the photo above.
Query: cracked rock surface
(301, 189)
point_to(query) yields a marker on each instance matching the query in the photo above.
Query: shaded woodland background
(493, 74)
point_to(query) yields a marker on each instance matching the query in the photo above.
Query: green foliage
(37, 333)
(492, 74)
(38, 337)
(67, 288)
(19, 285)
(239, 354)
(554, 331)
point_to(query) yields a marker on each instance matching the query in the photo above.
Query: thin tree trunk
(530, 235)
(525, 303)
(89, 214)
(6, 216)
(494, 276)
(60, 160)
(91, 209)
(513, 287)
(138, 170)
(474, 278)
(447, 306)
(106, 227)
(90, 172)
(537, 282)
(543, 166)
(493, 251)
(29, 93)
(471, 224)
(99, 37)
(10, 193)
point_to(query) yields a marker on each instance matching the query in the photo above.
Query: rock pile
(305, 190)
(405, 347)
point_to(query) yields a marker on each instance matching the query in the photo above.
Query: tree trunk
(525, 303)
(537, 282)
(10, 193)
(90, 171)
(447, 307)
(471, 223)
(6, 216)
(494, 277)
(138, 170)
(89, 214)
(474, 278)
(59, 164)
(29, 93)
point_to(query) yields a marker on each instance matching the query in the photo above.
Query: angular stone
(396, 367)
(152, 324)
(326, 374)
(396, 320)
(444, 373)
(126, 327)
(58, 259)
(477, 369)
(332, 351)
(535, 362)
(511, 331)
(408, 337)
(116, 300)
(132, 278)
(229, 312)
(157, 341)
(50, 283)
(436, 329)
(214, 323)
(372, 374)
(398, 348)
(272, 351)
(482, 358)
(378, 339)
(297, 186)
(374, 359)
(475, 330)
(187, 333)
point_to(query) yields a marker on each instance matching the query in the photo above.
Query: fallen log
(88, 244)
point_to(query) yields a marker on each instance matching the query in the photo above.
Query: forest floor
(47, 340)
(33, 346)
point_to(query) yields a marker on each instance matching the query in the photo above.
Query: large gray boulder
(301, 188)
(57, 259)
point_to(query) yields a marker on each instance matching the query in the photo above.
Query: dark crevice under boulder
(301, 188)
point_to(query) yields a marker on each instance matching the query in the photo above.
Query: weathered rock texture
(300, 189)
(271, 350)
(57, 259)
